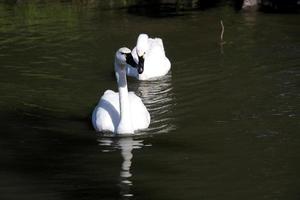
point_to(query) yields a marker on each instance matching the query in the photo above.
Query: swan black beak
(141, 64)
(130, 61)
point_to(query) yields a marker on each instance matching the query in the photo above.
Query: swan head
(142, 46)
(123, 57)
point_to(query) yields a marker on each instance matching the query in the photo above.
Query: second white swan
(150, 54)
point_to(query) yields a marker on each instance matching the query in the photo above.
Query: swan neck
(125, 125)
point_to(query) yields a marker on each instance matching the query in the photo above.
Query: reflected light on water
(126, 145)
(158, 97)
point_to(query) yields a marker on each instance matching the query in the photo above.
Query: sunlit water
(225, 120)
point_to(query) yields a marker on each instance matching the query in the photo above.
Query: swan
(150, 54)
(121, 112)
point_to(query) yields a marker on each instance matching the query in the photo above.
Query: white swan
(120, 112)
(150, 54)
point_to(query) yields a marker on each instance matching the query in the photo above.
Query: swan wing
(156, 46)
(156, 63)
(106, 115)
(157, 42)
(139, 113)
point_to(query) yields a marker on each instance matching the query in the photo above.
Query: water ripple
(159, 99)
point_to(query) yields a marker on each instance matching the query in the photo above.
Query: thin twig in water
(222, 32)
(221, 38)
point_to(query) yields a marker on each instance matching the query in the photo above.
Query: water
(225, 120)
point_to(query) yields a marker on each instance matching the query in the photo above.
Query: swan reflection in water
(158, 97)
(126, 145)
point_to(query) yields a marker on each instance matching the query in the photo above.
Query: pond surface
(225, 120)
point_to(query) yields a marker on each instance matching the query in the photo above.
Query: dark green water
(225, 121)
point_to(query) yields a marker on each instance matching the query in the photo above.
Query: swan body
(106, 116)
(150, 53)
(120, 112)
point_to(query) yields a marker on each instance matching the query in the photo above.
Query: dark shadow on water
(169, 8)
(42, 156)
(164, 8)
(280, 7)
